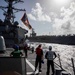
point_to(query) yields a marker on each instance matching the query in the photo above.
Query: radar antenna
(9, 14)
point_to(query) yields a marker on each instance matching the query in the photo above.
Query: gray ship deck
(28, 68)
(30, 65)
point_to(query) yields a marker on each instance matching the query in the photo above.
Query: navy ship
(10, 29)
(12, 34)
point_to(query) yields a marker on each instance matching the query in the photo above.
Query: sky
(47, 17)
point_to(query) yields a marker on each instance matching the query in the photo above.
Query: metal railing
(60, 65)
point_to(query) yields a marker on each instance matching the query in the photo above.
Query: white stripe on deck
(31, 67)
(29, 73)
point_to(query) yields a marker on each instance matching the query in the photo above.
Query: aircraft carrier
(60, 39)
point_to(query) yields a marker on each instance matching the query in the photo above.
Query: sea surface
(66, 52)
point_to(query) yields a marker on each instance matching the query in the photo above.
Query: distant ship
(10, 29)
(60, 39)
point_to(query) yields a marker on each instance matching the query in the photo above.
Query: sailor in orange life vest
(39, 55)
(50, 56)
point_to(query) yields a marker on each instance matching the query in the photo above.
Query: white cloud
(31, 17)
(53, 15)
(66, 25)
(38, 14)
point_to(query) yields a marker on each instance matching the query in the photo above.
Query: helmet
(16, 47)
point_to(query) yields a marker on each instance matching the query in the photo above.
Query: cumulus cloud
(31, 17)
(38, 14)
(66, 24)
(53, 15)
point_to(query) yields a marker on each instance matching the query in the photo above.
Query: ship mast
(9, 14)
(33, 34)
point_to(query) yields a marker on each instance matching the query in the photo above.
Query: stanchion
(73, 65)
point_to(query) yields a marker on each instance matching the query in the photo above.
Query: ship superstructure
(10, 29)
(33, 34)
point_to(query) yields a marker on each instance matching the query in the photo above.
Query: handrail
(61, 64)
(59, 61)
(58, 65)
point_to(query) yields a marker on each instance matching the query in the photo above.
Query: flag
(24, 19)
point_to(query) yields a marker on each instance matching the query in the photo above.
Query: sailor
(50, 56)
(16, 52)
(32, 49)
(26, 49)
(39, 55)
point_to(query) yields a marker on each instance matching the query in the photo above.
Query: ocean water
(66, 52)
